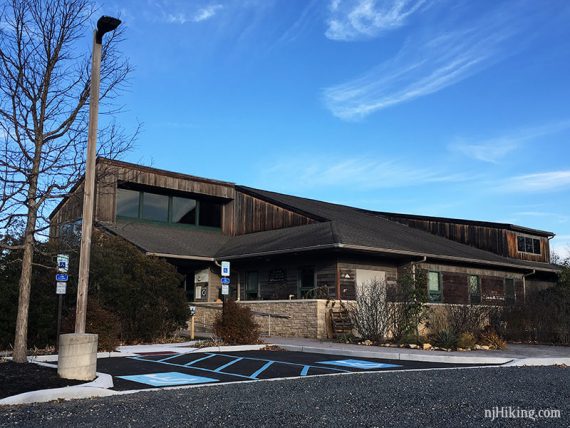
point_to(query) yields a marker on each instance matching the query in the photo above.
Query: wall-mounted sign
(62, 263)
(198, 292)
(201, 276)
(61, 287)
(63, 277)
(225, 280)
(225, 268)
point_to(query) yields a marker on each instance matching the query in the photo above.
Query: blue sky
(447, 108)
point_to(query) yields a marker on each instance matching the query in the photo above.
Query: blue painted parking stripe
(219, 369)
(169, 358)
(261, 370)
(305, 370)
(192, 367)
(199, 359)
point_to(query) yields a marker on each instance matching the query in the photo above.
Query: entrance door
(364, 279)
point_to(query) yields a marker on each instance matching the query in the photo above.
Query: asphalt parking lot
(199, 368)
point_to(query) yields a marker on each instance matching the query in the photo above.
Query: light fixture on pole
(78, 351)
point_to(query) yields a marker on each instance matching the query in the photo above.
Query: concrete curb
(453, 359)
(54, 357)
(539, 362)
(96, 388)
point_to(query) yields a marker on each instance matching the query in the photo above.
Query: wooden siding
(70, 210)
(496, 240)
(255, 215)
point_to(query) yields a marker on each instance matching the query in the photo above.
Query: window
(251, 285)
(434, 287)
(474, 284)
(155, 207)
(183, 210)
(306, 281)
(128, 203)
(526, 244)
(168, 209)
(510, 291)
(210, 214)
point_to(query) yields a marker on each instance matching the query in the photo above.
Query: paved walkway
(513, 351)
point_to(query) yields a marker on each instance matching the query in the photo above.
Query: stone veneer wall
(293, 318)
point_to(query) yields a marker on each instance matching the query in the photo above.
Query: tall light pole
(104, 25)
(77, 356)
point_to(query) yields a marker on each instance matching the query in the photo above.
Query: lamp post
(78, 351)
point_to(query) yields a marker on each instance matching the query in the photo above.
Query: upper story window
(526, 244)
(168, 209)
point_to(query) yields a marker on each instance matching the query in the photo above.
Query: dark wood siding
(255, 215)
(496, 240)
(455, 288)
(492, 290)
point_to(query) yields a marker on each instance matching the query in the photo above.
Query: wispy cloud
(361, 172)
(423, 67)
(560, 245)
(202, 14)
(494, 149)
(538, 182)
(364, 19)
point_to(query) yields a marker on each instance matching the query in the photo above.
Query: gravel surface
(429, 398)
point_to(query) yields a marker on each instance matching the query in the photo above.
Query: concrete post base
(77, 357)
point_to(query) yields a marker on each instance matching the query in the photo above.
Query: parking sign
(225, 268)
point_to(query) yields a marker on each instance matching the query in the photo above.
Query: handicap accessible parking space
(169, 369)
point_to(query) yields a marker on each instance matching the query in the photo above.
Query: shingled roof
(337, 226)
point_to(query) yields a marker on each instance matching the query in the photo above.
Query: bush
(466, 341)
(492, 340)
(468, 318)
(144, 292)
(409, 311)
(545, 318)
(445, 339)
(100, 321)
(235, 325)
(370, 313)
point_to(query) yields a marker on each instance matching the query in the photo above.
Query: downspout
(414, 264)
(524, 283)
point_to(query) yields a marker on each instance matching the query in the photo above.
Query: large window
(306, 280)
(251, 285)
(474, 283)
(168, 209)
(527, 244)
(434, 286)
(128, 203)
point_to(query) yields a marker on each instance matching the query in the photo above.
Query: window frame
(533, 240)
(168, 221)
(440, 287)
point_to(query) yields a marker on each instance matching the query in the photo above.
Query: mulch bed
(17, 378)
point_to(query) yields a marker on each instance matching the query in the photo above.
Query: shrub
(235, 325)
(370, 315)
(468, 318)
(445, 339)
(492, 340)
(409, 309)
(100, 321)
(466, 341)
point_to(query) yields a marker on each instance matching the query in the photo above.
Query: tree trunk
(25, 283)
(21, 337)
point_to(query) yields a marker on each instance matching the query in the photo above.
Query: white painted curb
(453, 359)
(96, 388)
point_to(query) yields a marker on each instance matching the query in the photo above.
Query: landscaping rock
(427, 346)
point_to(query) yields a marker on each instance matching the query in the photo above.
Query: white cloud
(422, 68)
(538, 182)
(560, 245)
(365, 19)
(355, 172)
(202, 14)
(493, 149)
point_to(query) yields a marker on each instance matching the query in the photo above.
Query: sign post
(60, 289)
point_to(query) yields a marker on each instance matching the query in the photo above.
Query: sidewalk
(515, 354)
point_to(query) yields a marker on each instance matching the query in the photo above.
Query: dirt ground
(17, 378)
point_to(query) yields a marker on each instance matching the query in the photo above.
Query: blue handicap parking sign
(168, 379)
(360, 364)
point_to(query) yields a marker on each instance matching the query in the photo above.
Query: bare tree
(44, 94)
